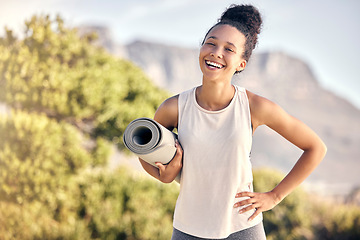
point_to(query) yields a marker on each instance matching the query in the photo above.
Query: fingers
(169, 171)
(179, 150)
(250, 204)
(160, 166)
(256, 213)
(245, 194)
(245, 209)
(251, 200)
(261, 202)
(177, 160)
(244, 202)
(178, 147)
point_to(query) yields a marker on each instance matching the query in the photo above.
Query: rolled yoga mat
(150, 141)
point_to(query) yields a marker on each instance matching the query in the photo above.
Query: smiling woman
(222, 49)
(215, 123)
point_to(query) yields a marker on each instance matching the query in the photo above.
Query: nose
(216, 53)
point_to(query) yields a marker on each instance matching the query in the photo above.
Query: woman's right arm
(166, 115)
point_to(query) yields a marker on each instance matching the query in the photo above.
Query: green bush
(290, 219)
(38, 156)
(302, 216)
(55, 72)
(33, 220)
(336, 221)
(66, 95)
(118, 205)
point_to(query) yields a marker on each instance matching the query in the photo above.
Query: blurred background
(325, 34)
(73, 74)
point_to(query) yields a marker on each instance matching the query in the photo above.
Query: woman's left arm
(265, 112)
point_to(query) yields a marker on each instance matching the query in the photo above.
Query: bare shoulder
(266, 112)
(167, 113)
(261, 108)
(258, 101)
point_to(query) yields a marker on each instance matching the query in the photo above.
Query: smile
(214, 64)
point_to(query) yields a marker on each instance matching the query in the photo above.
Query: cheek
(202, 53)
(236, 61)
(202, 50)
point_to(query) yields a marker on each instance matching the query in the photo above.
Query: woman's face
(221, 54)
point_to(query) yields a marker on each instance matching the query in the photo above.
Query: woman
(215, 123)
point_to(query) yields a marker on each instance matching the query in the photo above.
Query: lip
(214, 63)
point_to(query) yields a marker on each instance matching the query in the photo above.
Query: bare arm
(265, 112)
(166, 115)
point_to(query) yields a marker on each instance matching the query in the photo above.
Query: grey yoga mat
(150, 141)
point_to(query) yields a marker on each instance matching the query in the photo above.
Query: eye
(210, 43)
(229, 49)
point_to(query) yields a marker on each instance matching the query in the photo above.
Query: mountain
(104, 38)
(289, 82)
(173, 68)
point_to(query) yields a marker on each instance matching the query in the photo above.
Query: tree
(54, 71)
(39, 158)
(121, 205)
(66, 96)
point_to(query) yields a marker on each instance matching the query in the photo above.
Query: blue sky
(323, 33)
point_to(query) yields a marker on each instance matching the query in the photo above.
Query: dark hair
(246, 19)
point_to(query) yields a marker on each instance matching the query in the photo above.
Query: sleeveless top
(216, 166)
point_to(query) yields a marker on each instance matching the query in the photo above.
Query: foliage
(102, 205)
(289, 219)
(336, 221)
(121, 206)
(300, 216)
(39, 158)
(38, 155)
(66, 94)
(54, 71)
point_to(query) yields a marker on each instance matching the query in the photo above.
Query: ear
(241, 66)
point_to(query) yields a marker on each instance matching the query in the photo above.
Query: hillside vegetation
(69, 101)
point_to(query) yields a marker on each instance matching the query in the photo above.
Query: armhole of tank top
(179, 110)
(248, 110)
(183, 97)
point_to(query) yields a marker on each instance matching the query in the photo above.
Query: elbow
(317, 150)
(166, 181)
(169, 178)
(325, 150)
(321, 150)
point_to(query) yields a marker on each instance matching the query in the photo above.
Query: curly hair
(246, 19)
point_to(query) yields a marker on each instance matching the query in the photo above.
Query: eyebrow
(230, 43)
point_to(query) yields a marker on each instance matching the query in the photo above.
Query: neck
(215, 96)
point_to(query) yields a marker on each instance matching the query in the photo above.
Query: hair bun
(247, 20)
(245, 15)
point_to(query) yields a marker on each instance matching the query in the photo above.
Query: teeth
(213, 64)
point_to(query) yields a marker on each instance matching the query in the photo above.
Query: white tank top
(216, 165)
